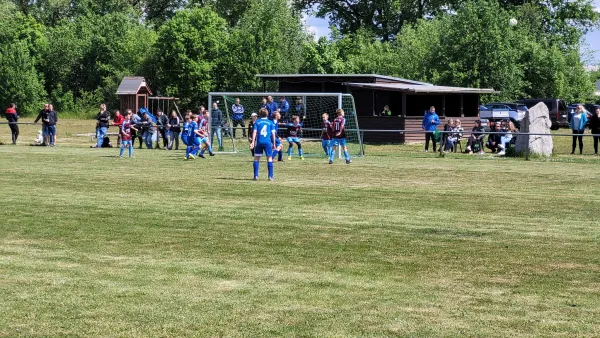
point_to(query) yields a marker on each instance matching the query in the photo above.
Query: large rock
(536, 121)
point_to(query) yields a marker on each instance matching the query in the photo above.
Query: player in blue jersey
(278, 146)
(185, 131)
(339, 136)
(204, 133)
(193, 139)
(326, 135)
(294, 130)
(263, 141)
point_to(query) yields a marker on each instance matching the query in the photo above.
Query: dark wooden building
(133, 93)
(408, 100)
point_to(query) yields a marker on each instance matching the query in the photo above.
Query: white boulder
(536, 121)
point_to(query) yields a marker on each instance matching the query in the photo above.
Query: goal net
(309, 107)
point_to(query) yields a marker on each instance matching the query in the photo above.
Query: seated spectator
(476, 138)
(448, 138)
(493, 142)
(386, 111)
(458, 128)
(507, 138)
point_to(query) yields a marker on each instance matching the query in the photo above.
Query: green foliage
(187, 52)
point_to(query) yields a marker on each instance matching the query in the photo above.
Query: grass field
(399, 243)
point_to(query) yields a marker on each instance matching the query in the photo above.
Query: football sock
(256, 166)
(270, 167)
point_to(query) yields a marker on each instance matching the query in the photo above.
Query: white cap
(253, 114)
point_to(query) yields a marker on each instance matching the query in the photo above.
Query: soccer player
(277, 151)
(326, 135)
(263, 141)
(294, 130)
(203, 130)
(339, 136)
(125, 131)
(253, 119)
(193, 139)
(186, 127)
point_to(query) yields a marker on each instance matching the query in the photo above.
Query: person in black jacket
(595, 126)
(174, 130)
(253, 117)
(103, 120)
(52, 118)
(42, 116)
(12, 117)
(161, 124)
(477, 135)
(494, 140)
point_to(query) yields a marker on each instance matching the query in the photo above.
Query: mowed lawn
(399, 243)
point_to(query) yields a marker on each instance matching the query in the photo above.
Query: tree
(230, 10)
(187, 52)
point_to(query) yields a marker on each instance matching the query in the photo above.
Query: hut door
(142, 101)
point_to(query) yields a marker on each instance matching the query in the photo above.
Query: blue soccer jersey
(192, 128)
(265, 129)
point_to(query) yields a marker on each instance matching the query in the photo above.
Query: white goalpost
(307, 106)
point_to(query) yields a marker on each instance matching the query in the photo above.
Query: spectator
(12, 117)
(253, 119)
(118, 120)
(458, 128)
(263, 104)
(42, 116)
(271, 106)
(202, 110)
(216, 121)
(506, 138)
(494, 140)
(595, 126)
(161, 124)
(476, 138)
(284, 108)
(577, 122)
(137, 124)
(52, 120)
(300, 109)
(238, 117)
(448, 137)
(102, 120)
(174, 130)
(430, 122)
(386, 111)
(148, 130)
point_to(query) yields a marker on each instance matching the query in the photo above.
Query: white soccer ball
(513, 22)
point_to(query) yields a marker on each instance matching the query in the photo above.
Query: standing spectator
(42, 116)
(161, 124)
(137, 132)
(477, 135)
(102, 120)
(595, 126)
(12, 117)
(263, 104)
(118, 120)
(430, 122)
(253, 119)
(299, 109)
(271, 106)
(238, 117)
(216, 120)
(284, 109)
(577, 121)
(52, 120)
(174, 130)
(148, 128)
(494, 141)
(386, 111)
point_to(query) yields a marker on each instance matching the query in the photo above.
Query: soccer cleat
(330, 162)
(271, 179)
(348, 161)
(302, 158)
(185, 158)
(201, 156)
(211, 154)
(191, 157)
(289, 158)
(255, 178)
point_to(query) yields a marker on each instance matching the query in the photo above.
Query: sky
(320, 27)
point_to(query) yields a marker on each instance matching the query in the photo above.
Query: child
(339, 135)
(326, 135)
(294, 130)
(126, 137)
(449, 138)
(263, 140)
(203, 131)
(278, 145)
(193, 139)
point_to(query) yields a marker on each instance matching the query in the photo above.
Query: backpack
(106, 142)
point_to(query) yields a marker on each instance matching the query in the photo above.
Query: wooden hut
(133, 93)
(407, 100)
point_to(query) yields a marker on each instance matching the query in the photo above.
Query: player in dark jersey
(294, 130)
(126, 137)
(326, 135)
(204, 132)
(339, 136)
(278, 146)
(263, 141)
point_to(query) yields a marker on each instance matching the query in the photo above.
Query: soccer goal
(309, 107)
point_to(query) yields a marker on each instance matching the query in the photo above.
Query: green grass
(399, 243)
